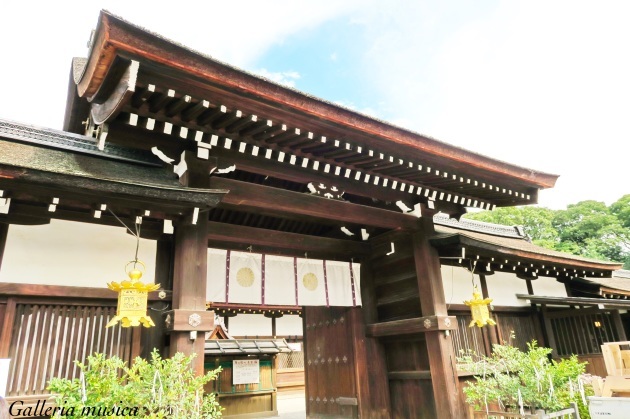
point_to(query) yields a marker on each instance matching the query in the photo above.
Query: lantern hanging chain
(138, 229)
(136, 234)
(473, 266)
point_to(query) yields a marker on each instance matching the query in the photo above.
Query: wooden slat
(7, 327)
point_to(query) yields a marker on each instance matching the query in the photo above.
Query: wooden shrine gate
(260, 166)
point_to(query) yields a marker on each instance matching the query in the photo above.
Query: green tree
(588, 228)
(621, 209)
(536, 222)
(591, 229)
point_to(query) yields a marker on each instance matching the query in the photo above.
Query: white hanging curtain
(253, 278)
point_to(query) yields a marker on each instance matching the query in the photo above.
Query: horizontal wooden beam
(409, 375)
(66, 292)
(412, 326)
(230, 233)
(566, 301)
(294, 173)
(245, 196)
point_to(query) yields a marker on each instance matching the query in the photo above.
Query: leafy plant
(158, 388)
(512, 378)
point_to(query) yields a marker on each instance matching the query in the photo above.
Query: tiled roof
(60, 140)
(509, 240)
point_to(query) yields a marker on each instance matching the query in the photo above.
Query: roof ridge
(480, 226)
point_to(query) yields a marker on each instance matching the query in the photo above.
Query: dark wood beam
(245, 196)
(414, 326)
(230, 233)
(294, 173)
(34, 213)
(4, 232)
(409, 375)
(61, 291)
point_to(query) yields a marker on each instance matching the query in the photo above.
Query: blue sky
(541, 84)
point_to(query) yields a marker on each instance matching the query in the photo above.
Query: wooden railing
(44, 329)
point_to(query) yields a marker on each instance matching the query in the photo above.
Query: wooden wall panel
(412, 399)
(46, 339)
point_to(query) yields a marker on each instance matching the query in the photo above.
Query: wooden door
(329, 363)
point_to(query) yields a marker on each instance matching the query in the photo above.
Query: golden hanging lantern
(479, 309)
(132, 298)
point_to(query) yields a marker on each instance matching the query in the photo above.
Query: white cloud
(540, 84)
(287, 78)
(370, 111)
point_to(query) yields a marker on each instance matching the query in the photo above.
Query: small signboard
(245, 371)
(4, 376)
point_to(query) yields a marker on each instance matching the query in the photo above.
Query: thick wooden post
(491, 333)
(4, 232)
(369, 355)
(444, 377)
(621, 333)
(190, 266)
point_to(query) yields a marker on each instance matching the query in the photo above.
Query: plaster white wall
(457, 284)
(289, 325)
(69, 253)
(249, 325)
(502, 287)
(548, 287)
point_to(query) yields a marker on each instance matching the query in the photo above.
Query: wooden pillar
(621, 333)
(490, 332)
(551, 338)
(530, 287)
(369, 355)
(190, 266)
(446, 391)
(4, 232)
(153, 338)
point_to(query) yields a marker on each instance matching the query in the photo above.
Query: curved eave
(502, 251)
(115, 36)
(29, 167)
(166, 197)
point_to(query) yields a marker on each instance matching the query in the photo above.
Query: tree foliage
(588, 228)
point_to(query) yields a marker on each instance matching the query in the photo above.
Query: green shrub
(158, 388)
(543, 384)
